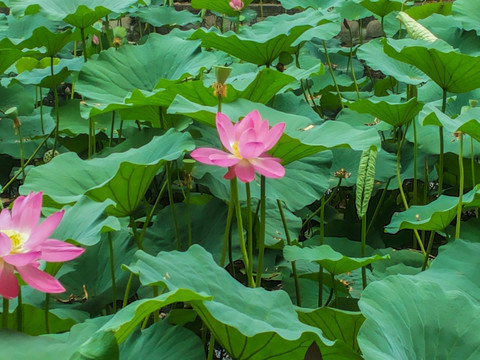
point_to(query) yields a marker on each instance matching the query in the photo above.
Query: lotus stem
(363, 245)
(22, 158)
(84, 44)
(172, 206)
(211, 347)
(429, 250)
(41, 109)
(46, 313)
(5, 312)
(112, 128)
(472, 165)
(57, 112)
(228, 227)
(350, 60)
(135, 232)
(335, 291)
(19, 310)
(461, 186)
(440, 134)
(127, 290)
(289, 242)
(330, 68)
(156, 313)
(249, 227)
(112, 272)
(243, 249)
(261, 239)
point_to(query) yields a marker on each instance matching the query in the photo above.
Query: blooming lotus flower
(247, 143)
(236, 5)
(23, 242)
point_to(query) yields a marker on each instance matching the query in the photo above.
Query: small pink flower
(247, 142)
(236, 5)
(23, 242)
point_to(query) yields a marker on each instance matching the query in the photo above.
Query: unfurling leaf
(365, 179)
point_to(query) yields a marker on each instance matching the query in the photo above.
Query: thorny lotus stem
(46, 312)
(243, 249)
(400, 187)
(5, 313)
(330, 68)
(350, 60)
(472, 165)
(150, 215)
(188, 217)
(112, 127)
(127, 290)
(57, 111)
(228, 226)
(249, 227)
(22, 159)
(461, 186)
(27, 162)
(112, 272)
(363, 245)
(379, 205)
(211, 347)
(440, 134)
(19, 310)
(289, 242)
(84, 44)
(172, 206)
(261, 238)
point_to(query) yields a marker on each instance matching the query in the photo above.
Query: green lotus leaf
(8, 58)
(123, 177)
(335, 324)
(388, 109)
(332, 261)
(53, 42)
(451, 70)
(304, 4)
(79, 13)
(101, 346)
(85, 222)
(434, 216)
(162, 338)
(382, 7)
(246, 322)
(402, 321)
(374, 56)
(263, 42)
(20, 346)
(43, 76)
(301, 137)
(466, 122)
(465, 11)
(21, 29)
(426, 9)
(165, 15)
(221, 6)
(131, 68)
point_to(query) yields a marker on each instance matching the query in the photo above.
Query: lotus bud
(95, 40)
(236, 5)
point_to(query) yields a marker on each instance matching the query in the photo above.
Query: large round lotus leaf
(79, 13)
(301, 137)
(263, 42)
(248, 323)
(172, 342)
(110, 78)
(451, 70)
(165, 15)
(435, 216)
(466, 11)
(52, 41)
(382, 7)
(123, 177)
(43, 76)
(388, 109)
(304, 4)
(17, 30)
(332, 261)
(221, 6)
(403, 323)
(374, 56)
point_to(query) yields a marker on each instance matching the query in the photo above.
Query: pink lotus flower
(247, 142)
(23, 242)
(236, 5)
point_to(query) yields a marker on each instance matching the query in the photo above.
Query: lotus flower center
(17, 239)
(235, 150)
